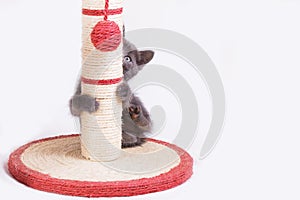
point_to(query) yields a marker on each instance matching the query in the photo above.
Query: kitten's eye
(127, 59)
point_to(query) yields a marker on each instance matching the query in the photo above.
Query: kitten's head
(134, 60)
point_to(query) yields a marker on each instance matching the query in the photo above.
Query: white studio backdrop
(254, 44)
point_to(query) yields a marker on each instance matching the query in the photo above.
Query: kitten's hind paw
(135, 111)
(139, 142)
(139, 118)
(129, 140)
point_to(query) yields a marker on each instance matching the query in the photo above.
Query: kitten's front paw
(96, 105)
(93, 106)
(85, 103)
(123, 91)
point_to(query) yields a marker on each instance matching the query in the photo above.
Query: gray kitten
(136, 119)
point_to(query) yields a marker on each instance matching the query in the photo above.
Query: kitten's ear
(145, 57)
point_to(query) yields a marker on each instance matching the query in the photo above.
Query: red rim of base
(44, 182)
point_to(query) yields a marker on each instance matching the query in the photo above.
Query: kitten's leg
(140, 116)
(81, 103)
(124, 93)
(129, 140)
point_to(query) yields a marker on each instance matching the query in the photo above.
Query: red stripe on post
(102, 12)
(101, 82)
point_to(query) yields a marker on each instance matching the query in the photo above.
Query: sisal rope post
(102, 72)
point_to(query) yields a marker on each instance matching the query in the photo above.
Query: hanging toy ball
(106, 36)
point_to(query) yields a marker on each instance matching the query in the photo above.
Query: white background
(254, 44)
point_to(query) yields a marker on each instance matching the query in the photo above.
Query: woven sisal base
(56, 165)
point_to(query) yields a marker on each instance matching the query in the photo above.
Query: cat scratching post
(93, 164)
(101, 74)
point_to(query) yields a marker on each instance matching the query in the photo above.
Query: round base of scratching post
(56, 165)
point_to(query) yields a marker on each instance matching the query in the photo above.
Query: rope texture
(166, 180)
